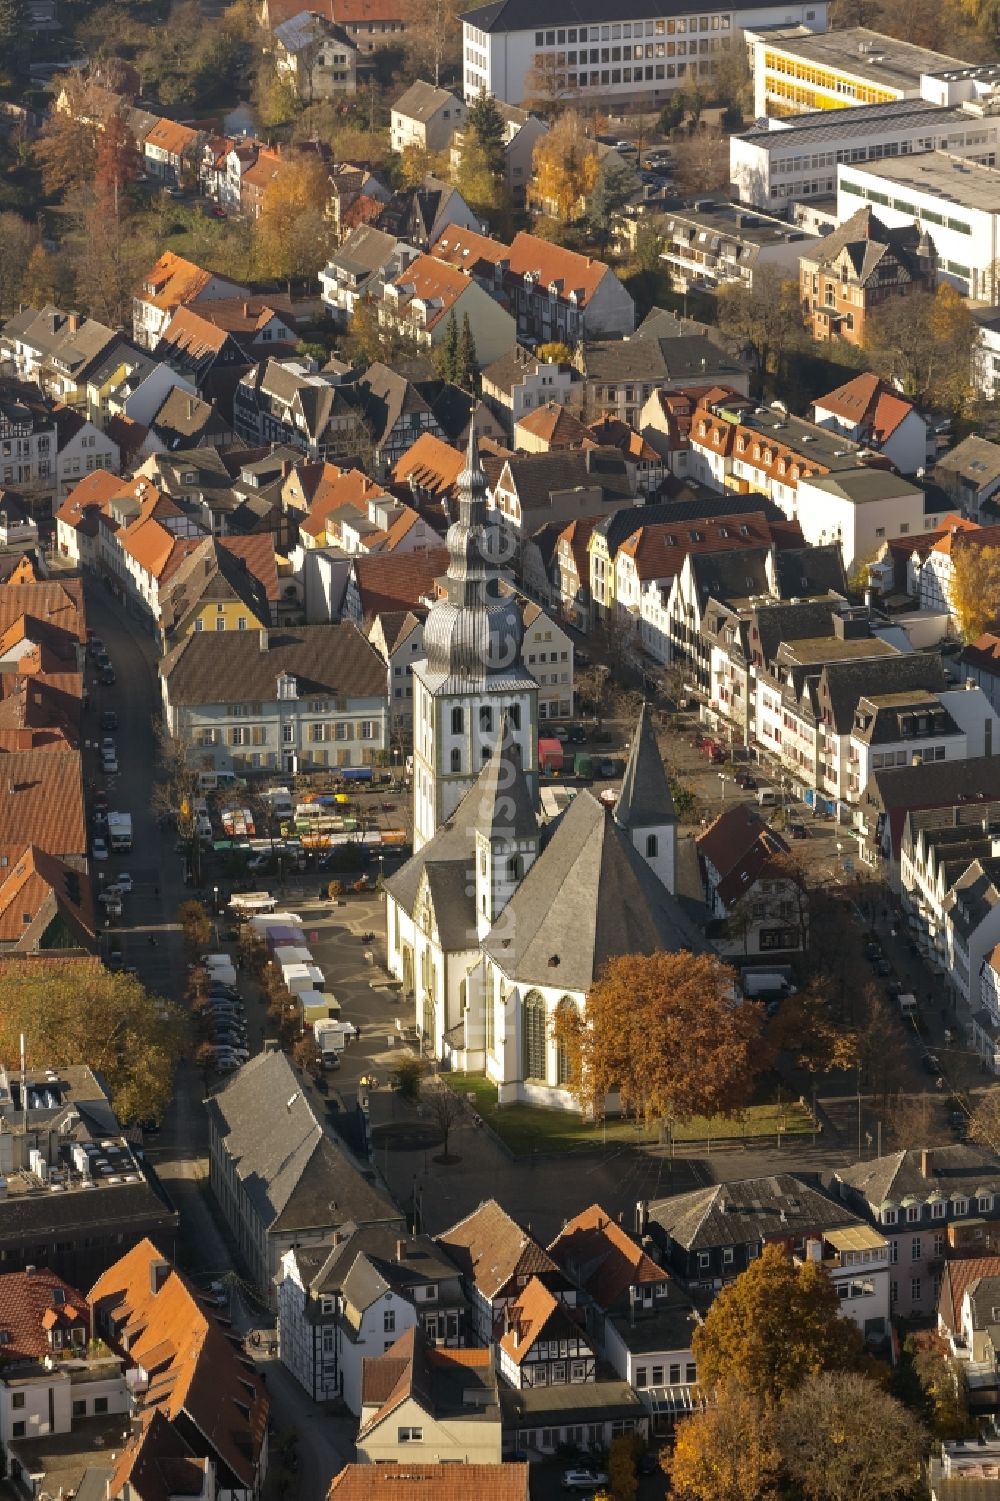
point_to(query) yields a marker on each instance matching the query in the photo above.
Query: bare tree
(445, 1108)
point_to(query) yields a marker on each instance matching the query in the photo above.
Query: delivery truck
(120, 831)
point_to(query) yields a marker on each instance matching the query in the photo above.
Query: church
(497, 920)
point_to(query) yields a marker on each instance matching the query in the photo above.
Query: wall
(476, 1440)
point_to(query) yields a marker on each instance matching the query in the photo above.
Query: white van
(767, 797)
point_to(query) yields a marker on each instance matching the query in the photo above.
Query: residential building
(930, 574)
(794, 158)
(397, 636)
(711, 244)
(969, 474)
(212, 343)
(359, 269)
(871, 412)
(395, 413)
(518, 382)
(430, 468)
(425, 118)
(794, 72)
(984, 1030)
(171, 283)
(707, 1237)
(496, 1258)
(544, 1341)
(756, 904)
(619, 62)
(422, 1399)
(554, 293)
(859, 508)
(979, 663)
(894, 791)
(421, 302)
(621, 376)
(250, 167)
(371, 24)
(640, 1317)
(522, 132)
(548, 428)
(533, 490)
(284, 401)
(80, 449)
(183, 420)
(395, 1482)
(570, 572)
(59, 351)
(318, 56)
(196, 1378)
(279, 1179)
(342, 1303)
(215, 589)
(28, 446)
(171, 152)
(280, 699)
(377, 582)
(48, 810)
(953, 203)
(986, 355)
(542, 1421)
(924, 1201)
(847, 275)
(59, 1130)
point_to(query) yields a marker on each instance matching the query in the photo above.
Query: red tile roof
(525, 254)
(171, 136)
(39, 887)
(430, 464)
(957, 1277)
(491, 1248)
(42, 801)
(397, 581)
(553, 425)
(596, 1252)
(32, 1303)
(536, 1314)
(172, 281)
(868, 401)
(432, 281)
(431, 1482)
(257, 552)
(983, 653)
(658, 551)
(740, 845)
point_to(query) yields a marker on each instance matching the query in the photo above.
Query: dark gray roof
(523, 15)
(386, 397)
(511, 368)
(984, 1295)
(937, 783)
(810, 570)
(746, 1212)
(65, 340)
(553, 1406)
(645, 796)
(862, 485)
(588, 897)
(730, 575)
(505, 811)
(295, 1176)
(536, 476)
(421, 101)
(780, 622)
(847, 682)
(975, 460)
(327, 1266)
(686, 357)
(365, 250)
(231, 666)
(868, 242)
(182, 420)
(951, 1169)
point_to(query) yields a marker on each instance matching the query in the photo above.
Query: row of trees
(793, 1404)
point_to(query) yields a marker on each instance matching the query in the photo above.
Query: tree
(984, 1126)
(292, 236)
(614, 188)
(40, 277)
(467, 362)
(565, 164)
(365, 339)
(662, 1029)
(484, 120)
(763, 318)
(196, 925)
(13, 24)
(546, 89)
(776, 1325)
(415, 161)
(75, 1011)
(65, 152)
(842, 1438)
(924, 343)
(445, 1108)
(18, 239)
(701, 162)
(446, 357)
(726, 1452)
(433, 34)
(621, 1466)
(406, 1076)
(975, 585)
(554, 353)
(807, 1028)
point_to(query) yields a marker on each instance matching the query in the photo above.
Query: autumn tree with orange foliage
(566, 167)
(292, 237)
(975, 586)
(725, 1453)
(663, 1029)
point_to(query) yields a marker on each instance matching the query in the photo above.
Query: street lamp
(723, 779)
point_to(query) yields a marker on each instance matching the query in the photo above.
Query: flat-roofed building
(795, 70)
(797, 158)
(713, 243)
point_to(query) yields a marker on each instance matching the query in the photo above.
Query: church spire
(645, 798)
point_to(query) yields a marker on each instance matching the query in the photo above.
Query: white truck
(331, 1040)
(120, 831)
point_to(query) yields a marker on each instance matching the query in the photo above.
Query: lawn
(525, 1129)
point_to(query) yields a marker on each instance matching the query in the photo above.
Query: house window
(652, 846)
(889, 1216)
(100, 1405)
(703, 1261)
(984, 1203)
(457, 720)
(456, 760)
(915, 1289)
(220, 624)
(641, 1377)
(961, 1206)
(410, 1435)
(916, 1248)
(912, 1213)
(939, 1245)
(534, 1036)
(19, 1430)
(389, 1321)
(17, 1399)
(938, 1209)
(199, 624)
(329, 1341)
(690, 1372)
(80, 1409)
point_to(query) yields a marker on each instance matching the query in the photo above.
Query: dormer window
(960, 1206)
(287, 686)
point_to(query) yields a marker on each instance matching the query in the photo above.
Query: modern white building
(955, 200)
(714, 243)
(516, 50)
(786, 159)
(794, 72)
(861, 508)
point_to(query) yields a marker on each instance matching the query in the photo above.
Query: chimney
(401, 1250)
(246, 310)
(925, 1164)
(159, 1271)
(73, 322)
(814, 1249)
(265, 638)
(29, 1271)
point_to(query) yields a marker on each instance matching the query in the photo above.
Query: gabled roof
(645, 796)
(527, 254)
(156, 1464)
(396, 581)
(307, 28)
(42, 802)
(173, 137)
(32, 1303)
(983, 654)
(870, 402)
(421, 101)
(553, 425)
(193, 1369)
(434, 283)
(430, 464)
(431, 1482)
(183, 420)
(210, 668)
(536, 1314)
(598, 1254)
(740, 846)
(39, 887)
(437, 1379)
(975, 460)
(954, 1169)
(172, 281)
(588, 898)
(868, 243)
(490, 1249)
(958, 1274)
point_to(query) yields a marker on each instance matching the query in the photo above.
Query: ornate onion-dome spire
(475, 630)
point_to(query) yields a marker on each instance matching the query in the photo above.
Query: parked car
(109, 720)
(108, 678)
(122, 882)
(99, 849)
(558, 732)
(109, 765)
(577, 734)
(883, 968)
(583, 1480)
(798, 830)
(95, 648)
(108, 745)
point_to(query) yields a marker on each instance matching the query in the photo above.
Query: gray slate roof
(423, 100)
(847, 682)
(588, 897)
(537, 476)
(365, 250)
(746, 1212)
(505, 810)
(645, 796)
(295, 1176)
(975, 460)
(689, 357)
(952, 1169)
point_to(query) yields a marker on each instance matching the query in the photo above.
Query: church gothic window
(486, 719)
(456, 760)
(562, 1052)
(457, 720)
(514, 868)
(652, 847)
(534, 1036)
